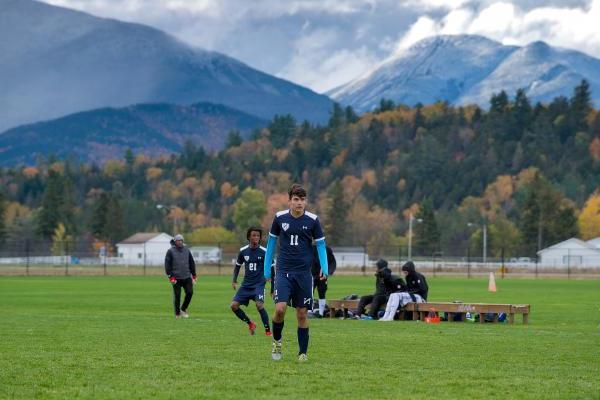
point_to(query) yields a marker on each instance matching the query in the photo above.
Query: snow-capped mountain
(466, 69)
(55, 61)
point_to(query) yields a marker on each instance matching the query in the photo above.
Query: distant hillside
(55, 61)
(98, 135)
(469, 69)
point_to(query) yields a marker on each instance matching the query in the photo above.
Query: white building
(144, 249)
(572, 253)
(350, 257)
(206, 254)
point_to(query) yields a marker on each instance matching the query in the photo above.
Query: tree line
(527, 171)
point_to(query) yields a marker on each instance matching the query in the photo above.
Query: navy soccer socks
(242, 315)
(277, 329)
(302, 340)
(265, 319)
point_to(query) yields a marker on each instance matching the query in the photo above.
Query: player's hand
(173, 280)
(194, 279)
(323, 277)
(234, 285)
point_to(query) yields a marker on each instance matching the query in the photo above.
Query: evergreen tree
(337, 116)
(234, 139)
(427, 234)
(51, 211)
(337, 214)
(350, 115)
(282, 129)
(499, 102)
(99, 217)
(581, 105)
(114, 222)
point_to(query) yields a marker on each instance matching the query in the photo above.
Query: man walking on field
(295, 228)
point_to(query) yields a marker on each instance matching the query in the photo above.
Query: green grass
(115, 337)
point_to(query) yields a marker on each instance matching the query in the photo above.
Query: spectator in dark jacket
(181, 270)
(416, 291)
(385, 284)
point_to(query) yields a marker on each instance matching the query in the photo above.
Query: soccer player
(296, 228)
(252, 256)
(181, 271)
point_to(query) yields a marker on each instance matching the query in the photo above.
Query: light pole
(410, 226)
(175, 219)
(484, 230)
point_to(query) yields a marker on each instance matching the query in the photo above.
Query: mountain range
(103, 134)
(469, 69)
(56, 61)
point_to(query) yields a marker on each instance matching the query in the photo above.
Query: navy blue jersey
(254, 261)
(295, 240)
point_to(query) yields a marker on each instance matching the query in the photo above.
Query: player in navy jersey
(252, 256)
(296, 229)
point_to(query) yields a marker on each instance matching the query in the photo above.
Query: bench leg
(415, 315)
(511, 318)
(331, 312)
(495, 320)
(481, 318)
(450, 317)
(525, 318)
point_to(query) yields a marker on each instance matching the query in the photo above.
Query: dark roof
(141, 237)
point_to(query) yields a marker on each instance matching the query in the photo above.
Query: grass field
(115, 337)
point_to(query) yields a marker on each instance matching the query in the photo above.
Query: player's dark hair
(253, 229)
(297, 190)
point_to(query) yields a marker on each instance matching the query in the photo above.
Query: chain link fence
(29, 257)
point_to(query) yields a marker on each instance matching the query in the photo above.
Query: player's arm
(271, 243)
(236, 269)
(192, 265)
(321, 247)
(169, 265)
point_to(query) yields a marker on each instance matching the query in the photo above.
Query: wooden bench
(421, 310)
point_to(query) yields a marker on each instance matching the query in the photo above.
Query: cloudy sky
(325, 43)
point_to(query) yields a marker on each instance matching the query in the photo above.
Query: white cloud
(314, 64)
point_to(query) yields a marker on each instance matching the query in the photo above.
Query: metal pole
(469, 262)
(27, 257)
(144, 259)
(503, 263)
(410, 221)
(484, 243)
(66, 250)
(365, 256)
(220, 256)
(105, 253)
(568, 263)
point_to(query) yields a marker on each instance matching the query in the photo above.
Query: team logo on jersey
(305, 227)
(307, 300)
(246, 258)
(285, 226)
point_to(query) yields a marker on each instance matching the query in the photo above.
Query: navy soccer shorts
(295, 288)
(247, 293)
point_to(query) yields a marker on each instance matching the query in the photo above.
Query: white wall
(573, 258)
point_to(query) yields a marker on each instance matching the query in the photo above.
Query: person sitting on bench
(385, 284)
(415, 292)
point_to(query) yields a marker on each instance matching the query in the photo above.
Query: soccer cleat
(268, 333)
(184, 314)
(252, 327)
(366, 318)
(302, 357)
(276, 350)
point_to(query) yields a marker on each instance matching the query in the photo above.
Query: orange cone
(492, 283)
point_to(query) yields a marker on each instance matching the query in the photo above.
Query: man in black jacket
(320, 281)
(385, 284)
(416, 291)
(181, 270)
